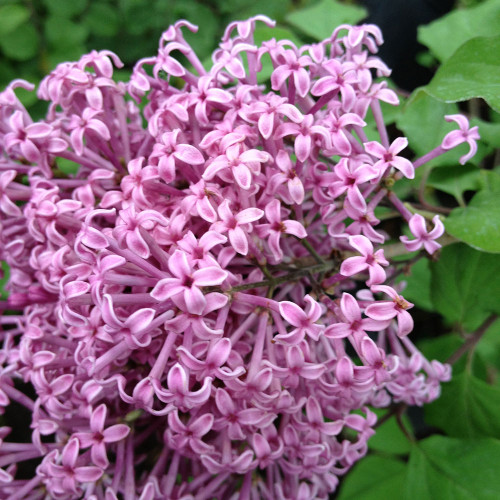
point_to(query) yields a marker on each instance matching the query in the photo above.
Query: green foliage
(468, 407)
(453, 469)
(418, 285)
(422, 113)
(455, 180)
(389, 437)
(11, 17)
(472, 71)
(444, 36)
(478, 224)
(373, 478)
(464, 286)
(319, 20)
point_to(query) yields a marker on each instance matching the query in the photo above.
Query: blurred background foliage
(36, 35)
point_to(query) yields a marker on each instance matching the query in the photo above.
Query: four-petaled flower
(423, 237)
(99, 436)
(369, 260)
(396, 308)
(186, 283)
(303, 321)
(463, 134)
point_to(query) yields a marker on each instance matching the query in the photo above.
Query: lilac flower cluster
(205, 308)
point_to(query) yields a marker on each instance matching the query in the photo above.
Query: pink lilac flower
(423, 237)
(181, 310)
(397, 308)
(464, 134)
(369, 260)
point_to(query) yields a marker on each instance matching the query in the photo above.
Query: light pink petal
(376, 149)
(302, 82)
(296, 190)
(242, 176)
(202, 425)
(353, 265)
(135, 242)
(313, 410)
(370, 351)
(220, 163)
(381, 310)
(296, 228)
(166, 288)
(238, 240)
(404, 166)
(99, 456)
(88, 474)
(249, 215)
(116, 433)
(303, 147)
(178, 264)
(350, 308)
(195, 300)
(362, 244)
(405, 323)
(177, 379)
(70, 452)
(338, 331)
(218, 352)
(98, 418)
(324, 85)
(140, 320)
(417, 226)
(292, 313)
(438, 229)
(100, 128)
(209, 276)
(189, 154)
(279, 76)
(266, 124)
(94, 97)
(398, 145)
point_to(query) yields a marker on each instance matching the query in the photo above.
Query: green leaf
(65, 8)
(454, 469)
(275, 9)
(489, 350)
(478, 224)
(455, 180)
(472, 71)
(5, 274)
(206, 38)
(20, 44)
(102, 20)
(445, 35)
(464, 285)
(320, 20)
(418, 285)
(373, 478)
(467, 407)
(389, 438)
(61, 32)
(11, 17)
(490, 132)
(422, 121)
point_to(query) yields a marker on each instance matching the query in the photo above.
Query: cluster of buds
(205, 307)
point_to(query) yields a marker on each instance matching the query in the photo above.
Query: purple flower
(369, 260)
(397, 308)
(423, 237)
(464, 134)
(99, 436)
(186, 282)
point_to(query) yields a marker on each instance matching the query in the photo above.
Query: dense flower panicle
(181, 306)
